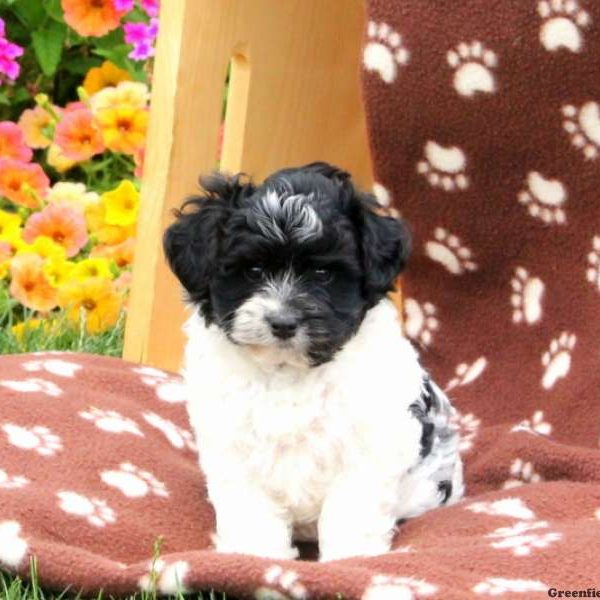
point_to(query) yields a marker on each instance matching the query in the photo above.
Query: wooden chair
(294, 97)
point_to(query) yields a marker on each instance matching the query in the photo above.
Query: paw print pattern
(557, 360)
(180, 438)
(523, 537)
(420, 321)
(165, 578)
(382, 194)
(449, 251)
(562, 24)
(384, 52)
(466, 373)
(167, 388)
(38, 439)
(444, 167)
(526, 298)
(593, 260)
(288, 582)
(95, 511)
(467, 426)
(534, 425)
(384, 587)
(497, 586)
(33, 385)
(12, 482)
(55, 366)
(544, 198)
(13, 547)
(111, 421)
(473, 66)
(507, 507)
(521, 473)
(134, 482)
(583, 126)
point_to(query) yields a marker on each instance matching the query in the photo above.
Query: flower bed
(74, 94)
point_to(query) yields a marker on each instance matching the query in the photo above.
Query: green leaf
(30, 12)
(54, 10)
(117, 55)
(79, 64)
(110, 40)
(48, 47)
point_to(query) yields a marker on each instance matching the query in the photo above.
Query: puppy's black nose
(283, 326)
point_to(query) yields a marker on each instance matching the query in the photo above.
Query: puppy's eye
(322, 275)
(254, 273)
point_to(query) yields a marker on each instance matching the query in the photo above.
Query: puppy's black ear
(385, 244)
(330, 171)
(192, 243)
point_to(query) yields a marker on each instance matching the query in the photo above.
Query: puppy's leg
(249, 522)
(357, 518)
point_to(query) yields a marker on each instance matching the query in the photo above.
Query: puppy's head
(288, 268)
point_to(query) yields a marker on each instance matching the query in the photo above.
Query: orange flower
(29, 284)
(77, 135)
(12, 142)
(121, 254)
(108, 74)
(95, 297)
(92, 17)
(23, 183)
(123, 128)
(61, 224)
(35, 124)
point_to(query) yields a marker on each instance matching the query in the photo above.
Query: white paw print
(180, 438)
(449, 251)
(55, 366)
(473, 64)
(13, 547)
(110, 421)
(95, 511)
(388, 587)
(12, 482)
(420, 321)
(526, 298)
(583, 126)
(384, 51)
(497, 586)
(165, 578)
(563, 21)
(382, 194)
(33, 385)
(466, 373)
(521, 473)
(593, 259)
(520, 540)
(544, 198)
(444, 166)
(534, 425)
(288, 581)
(597, 514)
(167, 388)
(507, 507)
(39, 439)
(557, 360)
(134, 482)
(467, 426)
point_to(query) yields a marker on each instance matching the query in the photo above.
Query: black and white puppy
(312, 414)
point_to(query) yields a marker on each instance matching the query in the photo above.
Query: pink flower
(12, 142)
(62, 224)
(123, 5)
(151, 7)
(8, 52)
(141, 36)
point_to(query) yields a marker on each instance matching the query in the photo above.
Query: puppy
(313, 417)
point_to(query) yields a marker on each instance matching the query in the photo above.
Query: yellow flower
(108, 74)
(9, 223)
(123, 128)
(74, 195)
(131, 94)
(96, 298)
(121, 204)
(58, 271)
(58, 160)
(15, 241)
(20, 330)
(45, 247)
(106, 234)
(92, 267)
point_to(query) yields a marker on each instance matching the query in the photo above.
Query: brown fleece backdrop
(485, 130)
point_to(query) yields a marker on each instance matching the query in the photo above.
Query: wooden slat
(294, 98)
